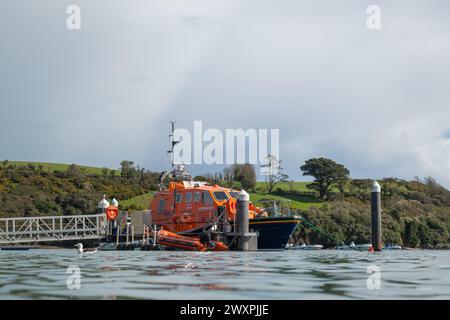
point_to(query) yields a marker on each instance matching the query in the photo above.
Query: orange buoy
(231, 206)
(112, 212)
(217, 246)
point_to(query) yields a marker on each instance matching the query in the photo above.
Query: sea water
(289, 274)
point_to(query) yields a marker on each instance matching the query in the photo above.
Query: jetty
(52, 228)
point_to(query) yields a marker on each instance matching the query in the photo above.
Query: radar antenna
(173, 142)
(178, 170)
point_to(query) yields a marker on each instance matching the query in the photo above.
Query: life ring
(112, 212)
(231, 206)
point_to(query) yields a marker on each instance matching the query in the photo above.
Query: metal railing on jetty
(53, 228)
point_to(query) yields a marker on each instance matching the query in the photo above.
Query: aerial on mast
(173, 142)
(178, 170)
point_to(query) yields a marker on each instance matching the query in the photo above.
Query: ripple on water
(326, 274)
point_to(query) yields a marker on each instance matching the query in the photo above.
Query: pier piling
(242, 221)
(117, 234)
(375, 208)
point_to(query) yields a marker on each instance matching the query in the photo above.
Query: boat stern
(274, 232)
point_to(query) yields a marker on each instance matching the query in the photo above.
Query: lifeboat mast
(178, 170)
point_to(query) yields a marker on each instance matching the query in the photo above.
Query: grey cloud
(376, 101)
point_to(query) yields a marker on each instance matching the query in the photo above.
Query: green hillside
(39, 189)
(53, 167)
(415, 213)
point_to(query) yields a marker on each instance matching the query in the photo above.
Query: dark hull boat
(273, 232)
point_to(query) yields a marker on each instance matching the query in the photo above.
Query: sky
(377, 101)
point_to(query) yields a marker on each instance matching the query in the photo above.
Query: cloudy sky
(377, 101)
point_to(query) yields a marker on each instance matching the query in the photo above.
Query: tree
(388, 187)
(433, 187)
(127, 169)
(73, 170)
(5, 164)
(326, 173)
(245, 174)
(342, 185)
(361, 188)
(411, 234)
(228, 176)
(273, 172)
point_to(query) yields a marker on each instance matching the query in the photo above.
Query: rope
(320, 230)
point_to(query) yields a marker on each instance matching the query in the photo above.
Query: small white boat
(310, 247)
(306, 247)
(392, 247)
(353, 246)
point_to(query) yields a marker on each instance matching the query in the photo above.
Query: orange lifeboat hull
(173, 240)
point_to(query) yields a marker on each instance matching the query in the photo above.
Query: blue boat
(274, 232)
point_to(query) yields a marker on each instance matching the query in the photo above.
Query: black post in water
(375, 208)
(242, 223)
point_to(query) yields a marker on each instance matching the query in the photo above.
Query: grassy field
(299, 186)
(299, 196)
(52, 167)
(141, 202)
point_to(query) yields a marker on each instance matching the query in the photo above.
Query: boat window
(234, 194)
(179, 197)
(197, 196)
(161, 205)
(207, 199)
(188, 197)
(220, 195)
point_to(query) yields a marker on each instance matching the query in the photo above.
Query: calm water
(327, 274)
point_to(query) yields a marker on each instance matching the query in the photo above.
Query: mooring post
(375, 208)
(242, 222)
(117, 234)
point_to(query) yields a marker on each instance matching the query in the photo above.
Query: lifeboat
(188, 208)
(173, 240)
(185, 209)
